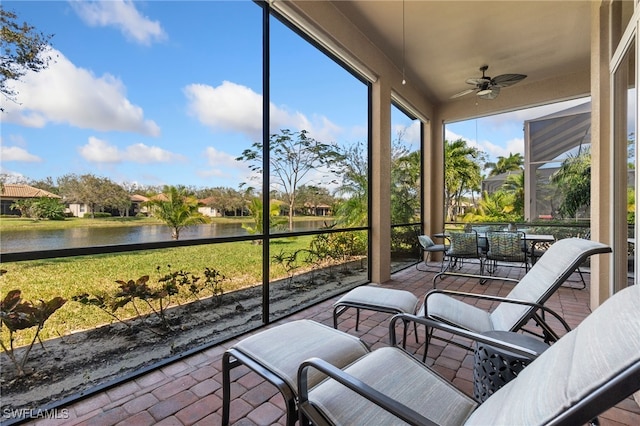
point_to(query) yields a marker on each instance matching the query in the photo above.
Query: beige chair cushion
(374, 297)
(456, 312)
(283, 348)
(572, 368)
(399, 376)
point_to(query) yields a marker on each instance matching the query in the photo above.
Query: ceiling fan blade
(464, 92)
(505, 80)
(495, 91)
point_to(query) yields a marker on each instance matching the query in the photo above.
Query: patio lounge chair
(585, 373)
(524, 302)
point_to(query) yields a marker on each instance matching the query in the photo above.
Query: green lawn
(241, 262)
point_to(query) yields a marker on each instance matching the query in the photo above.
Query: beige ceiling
(446, 42)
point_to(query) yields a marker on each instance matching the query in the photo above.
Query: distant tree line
(102, 194)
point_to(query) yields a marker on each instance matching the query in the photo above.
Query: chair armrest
(392, 406)
(466, 275)
(497, 299)
(519, 350)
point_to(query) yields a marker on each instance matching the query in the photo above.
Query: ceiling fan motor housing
(489, 88)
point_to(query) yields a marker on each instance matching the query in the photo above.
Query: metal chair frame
(463, 246)
(425, 253)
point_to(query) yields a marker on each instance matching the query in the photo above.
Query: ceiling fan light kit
(489, 87)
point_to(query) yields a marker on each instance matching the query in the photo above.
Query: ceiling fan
(489, 87)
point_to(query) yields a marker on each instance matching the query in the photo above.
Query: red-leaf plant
(17, 315)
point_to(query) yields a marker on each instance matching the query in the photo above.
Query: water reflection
(31, 240)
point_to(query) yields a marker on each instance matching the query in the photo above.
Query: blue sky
(167, 92)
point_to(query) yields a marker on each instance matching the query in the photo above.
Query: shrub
(158, 297)
(98, 215)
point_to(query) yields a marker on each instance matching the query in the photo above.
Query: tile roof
(10, 190)
(209, 201)
(139, 198)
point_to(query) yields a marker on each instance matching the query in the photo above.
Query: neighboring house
(78, 209)
(11, 193)
(317, 210)
(137, 206)
(493, 183)
(206, 207)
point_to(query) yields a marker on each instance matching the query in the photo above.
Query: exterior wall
(209, 211)
(78, 210)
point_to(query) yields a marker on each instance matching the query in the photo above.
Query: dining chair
(463, 246)
(427, 248)
(505, 246)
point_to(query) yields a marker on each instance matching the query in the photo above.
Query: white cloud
(141, 153)
(123, 15)
(410, 134)
(99, 151)
(321, 129)
(237, 108)
(452, 136)
(14, 153)
(216, 158)
(224, 165)
(229, 106)
(64, 93)
(522, 115)
(512, 146)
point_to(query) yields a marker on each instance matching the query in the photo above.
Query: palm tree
(462, 172)
(177, 209)
(573, 179)
(405, 188)
(255, 207)
(506, 164)
(495, 207)
(514, 184)
(353, 192)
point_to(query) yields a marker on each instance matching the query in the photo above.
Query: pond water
(32, 240)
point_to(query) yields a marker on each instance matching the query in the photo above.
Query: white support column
(601, 151)
(381, 182)
(433, 175)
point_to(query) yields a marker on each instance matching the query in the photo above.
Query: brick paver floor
(189, 391)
